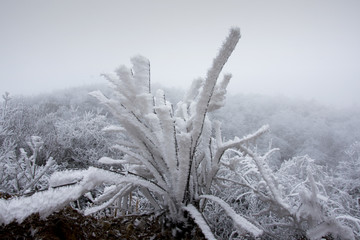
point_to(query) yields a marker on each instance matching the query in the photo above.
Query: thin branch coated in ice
(110, 161)
(239, 221)
(210, 82)
(200, 221)
(237, 142)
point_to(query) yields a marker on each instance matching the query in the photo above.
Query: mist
(307, 50)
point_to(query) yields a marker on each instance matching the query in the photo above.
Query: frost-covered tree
(7, 98)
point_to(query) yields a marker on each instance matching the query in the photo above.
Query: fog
(303, 49)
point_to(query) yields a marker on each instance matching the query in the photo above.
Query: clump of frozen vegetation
(170, 152)
(174, 161)
(20, 172)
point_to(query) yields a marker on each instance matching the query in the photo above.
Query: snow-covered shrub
(347, 179)
(20, 168)
(173, 148)
(317, 209)
(349, 170)
(291, 202)
(71, 135)
(80, 138)
(20, 173)
(7, 154)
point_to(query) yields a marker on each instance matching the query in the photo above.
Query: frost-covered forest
(234, 166)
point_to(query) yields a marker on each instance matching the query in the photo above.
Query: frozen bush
(20, 173)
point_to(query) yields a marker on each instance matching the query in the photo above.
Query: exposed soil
(70, 224)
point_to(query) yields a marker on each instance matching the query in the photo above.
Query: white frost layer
(52, 200)
(113, 128)
(239, 221)
(110, 161)
(199, 220)
(43, 203)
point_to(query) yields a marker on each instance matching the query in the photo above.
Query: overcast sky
(308, 48)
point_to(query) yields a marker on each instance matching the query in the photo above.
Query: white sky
(308, 48)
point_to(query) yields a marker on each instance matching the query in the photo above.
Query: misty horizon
(308, 50)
